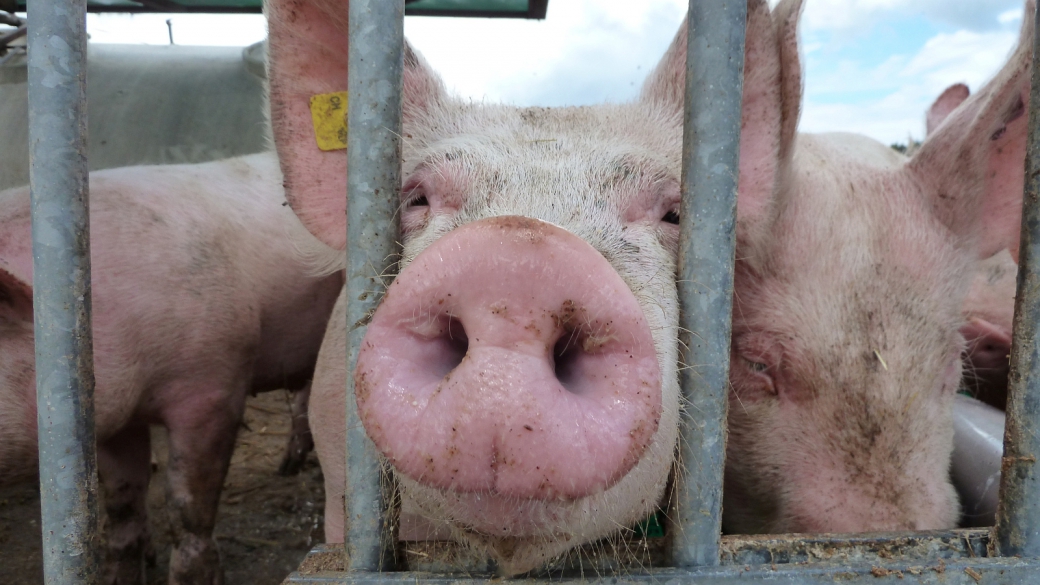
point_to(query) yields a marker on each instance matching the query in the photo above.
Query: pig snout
(509, 358)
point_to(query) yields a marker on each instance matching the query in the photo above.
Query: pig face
(853, 264)
(539, 250)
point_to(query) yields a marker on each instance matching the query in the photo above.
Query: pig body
(200, 298)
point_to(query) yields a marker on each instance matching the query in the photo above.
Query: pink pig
(520, 375)
(201, 297)
(854, 264)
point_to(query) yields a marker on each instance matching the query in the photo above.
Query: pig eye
(413, 194)
(756, 367)
(417, 199)
(761, 376)
(671, 217)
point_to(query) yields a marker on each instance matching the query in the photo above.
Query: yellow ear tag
(329, 113)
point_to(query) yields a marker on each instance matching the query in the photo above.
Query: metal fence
(697, 552)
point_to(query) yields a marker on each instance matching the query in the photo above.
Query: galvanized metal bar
(988, 571)
(711, 149)
(373, 182)
(1018, 515)
(57, 56)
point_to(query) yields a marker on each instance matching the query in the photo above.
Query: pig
(202, 295)
(990, 305)
(853, 266)
(568, 219)
(846, 347)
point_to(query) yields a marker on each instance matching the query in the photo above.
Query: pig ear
(307, 57)
(15, 297)
(947, 102)
(666, 85)
(769, 115)
(974, 163)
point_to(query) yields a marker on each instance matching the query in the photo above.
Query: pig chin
(523, 535)
(483, 515)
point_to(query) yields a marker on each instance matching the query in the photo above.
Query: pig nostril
(452, 345)
(566, 354)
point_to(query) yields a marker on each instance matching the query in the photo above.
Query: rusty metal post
(1018, 515)
(57, 56)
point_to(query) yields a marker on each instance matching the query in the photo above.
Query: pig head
(853, 264)
(519, 376)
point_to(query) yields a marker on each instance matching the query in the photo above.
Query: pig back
(198, 283)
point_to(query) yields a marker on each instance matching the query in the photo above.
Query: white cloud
(586, 51)
(589, 51)
(1009, 16)
(909, 84)
(859, 15)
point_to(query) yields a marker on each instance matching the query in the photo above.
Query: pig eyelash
(419, 201)
(761, 372)
(671, 217)
(414, 196)
(758, 368)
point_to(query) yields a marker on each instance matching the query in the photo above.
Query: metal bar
(57, 56)
(711, 149)
(1018, 514)
(373, 182)
(629, 556)
(988, 571)
(536, 10)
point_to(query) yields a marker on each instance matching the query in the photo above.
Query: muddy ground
(265, 526)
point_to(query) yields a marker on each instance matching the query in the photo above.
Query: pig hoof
(124, 564)
(195, 561)
(296, 455)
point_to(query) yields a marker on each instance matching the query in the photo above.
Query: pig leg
(327, 414)
(300, 440)
(202, 438)
(124, 464)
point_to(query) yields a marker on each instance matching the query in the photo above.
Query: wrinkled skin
(200, 298)
(853, 265)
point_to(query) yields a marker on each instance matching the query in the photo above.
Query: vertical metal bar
(711, 149)
(61, 292)
(1018, 514)
(373, 182)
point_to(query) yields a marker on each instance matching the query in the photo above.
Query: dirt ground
(265, 526)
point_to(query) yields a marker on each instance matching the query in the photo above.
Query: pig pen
(265, 525)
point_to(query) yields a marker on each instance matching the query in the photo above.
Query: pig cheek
(405, 387)
(414, 219)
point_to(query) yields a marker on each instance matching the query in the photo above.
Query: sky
(871, 66)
